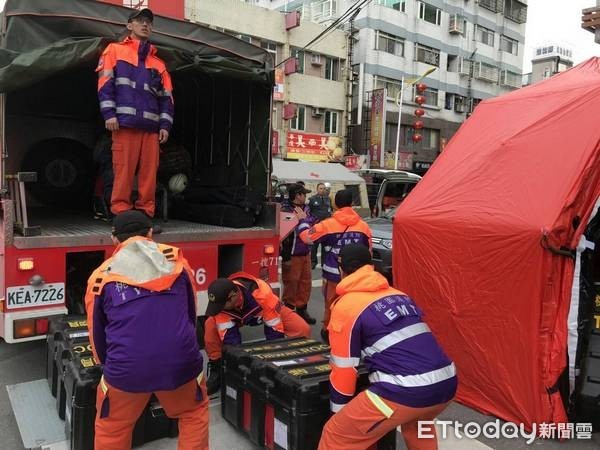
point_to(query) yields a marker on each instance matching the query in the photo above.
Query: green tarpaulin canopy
(45, 37)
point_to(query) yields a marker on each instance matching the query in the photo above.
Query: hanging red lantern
(418, 125)
(419, 112)
(421, 87)
(417, 137)
(420, 99)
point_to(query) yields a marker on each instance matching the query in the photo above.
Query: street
(26, 362)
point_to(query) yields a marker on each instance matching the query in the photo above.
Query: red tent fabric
(477, 243)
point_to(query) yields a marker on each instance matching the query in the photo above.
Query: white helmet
(178, 183)
(327, 185)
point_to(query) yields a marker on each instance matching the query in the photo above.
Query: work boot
(302, 312)
(213, 383)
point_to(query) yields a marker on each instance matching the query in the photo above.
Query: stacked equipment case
(277, 392)
(74, 374)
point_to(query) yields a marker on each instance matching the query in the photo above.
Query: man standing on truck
(411, 378)
(243, 299)
(136, 101)
(295, 270)
(343, 228)
(141, 310)
(320, 208)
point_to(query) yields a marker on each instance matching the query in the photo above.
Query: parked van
(387, 188)
(313, 173)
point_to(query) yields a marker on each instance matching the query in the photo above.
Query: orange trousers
(134, 151)
(360, 424)
(114, 431)
(329, 294)
(297, 281)
(293, 326)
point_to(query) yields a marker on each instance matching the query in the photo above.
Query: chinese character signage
(377, 137)
(274, 142)
(278, 88)
(405, 161)
(314, 147)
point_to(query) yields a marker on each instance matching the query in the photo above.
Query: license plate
(30, 296)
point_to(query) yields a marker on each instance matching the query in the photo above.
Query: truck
(50, 122)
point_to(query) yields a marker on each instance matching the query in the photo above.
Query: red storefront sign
(351, 162)
(314, 147)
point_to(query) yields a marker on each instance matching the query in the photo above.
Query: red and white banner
(377, 137)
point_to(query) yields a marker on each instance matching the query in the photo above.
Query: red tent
(482, 241)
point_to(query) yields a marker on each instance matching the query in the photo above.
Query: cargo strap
(380, 404)
(105, 408)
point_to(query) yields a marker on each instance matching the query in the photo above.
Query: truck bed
(79, 229)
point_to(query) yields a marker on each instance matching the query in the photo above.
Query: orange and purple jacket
(382, 327)
(135, 87)
(259, 306)
(141, 310)
(344, 227)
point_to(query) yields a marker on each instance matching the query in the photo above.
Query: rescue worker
(136, 101)
(320, 208)
(343, 228)
(296, 271)
(243, 299)
(411, 378)
(141, 310)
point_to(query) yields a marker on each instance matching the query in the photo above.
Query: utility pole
(471, 60)
(350, 85)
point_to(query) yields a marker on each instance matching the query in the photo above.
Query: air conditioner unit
(317, 112)
(315, 60)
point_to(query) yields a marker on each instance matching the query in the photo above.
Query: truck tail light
(269, 249)
(25, 264)
(24, 328)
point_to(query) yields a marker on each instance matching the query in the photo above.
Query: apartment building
(310, 95)
(476, 48)
(548, 60)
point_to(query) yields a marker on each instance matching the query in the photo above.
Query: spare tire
(64, 172)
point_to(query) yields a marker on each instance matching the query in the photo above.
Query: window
(489, 4)
(244, 37)
(298, 123)
(392, 86)
(271, 47)
(515, 11)
(398, 5)
(430, 94)
(430, 13)
(299, 55)
(546, 72)
(331, 122)
(427, 55)
(484, 35)
(509, 45)
(332, 68)
(431, 137)
(389, 43)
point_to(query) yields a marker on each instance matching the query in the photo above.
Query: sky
(551, 21)
(558, 22)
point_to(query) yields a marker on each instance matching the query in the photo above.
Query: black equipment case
(58, 326)
(277, 392)
(588, 394)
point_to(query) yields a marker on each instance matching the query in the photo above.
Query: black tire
(64, 170)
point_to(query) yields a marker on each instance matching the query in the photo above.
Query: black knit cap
(145, 12)
(218, 293)
(353, 257)
(131, 223)
(343, 198)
